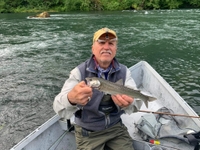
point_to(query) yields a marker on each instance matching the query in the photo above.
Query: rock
(44, 14)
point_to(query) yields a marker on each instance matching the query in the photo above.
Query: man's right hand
(80, 94)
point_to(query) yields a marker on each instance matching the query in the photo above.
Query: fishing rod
(164, 113)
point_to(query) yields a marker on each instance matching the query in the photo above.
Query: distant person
(97, 115)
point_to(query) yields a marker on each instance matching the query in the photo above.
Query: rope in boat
(60, 139)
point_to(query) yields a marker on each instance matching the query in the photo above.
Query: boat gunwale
(30, 137)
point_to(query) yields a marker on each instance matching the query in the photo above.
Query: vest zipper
(107, 120)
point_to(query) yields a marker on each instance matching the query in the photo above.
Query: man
(97, 115)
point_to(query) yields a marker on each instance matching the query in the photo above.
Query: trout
(117, 88)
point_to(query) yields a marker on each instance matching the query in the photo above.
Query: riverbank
(19, 6)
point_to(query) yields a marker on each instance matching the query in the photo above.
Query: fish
(114, 88)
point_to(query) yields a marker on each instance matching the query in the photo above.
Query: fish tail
(151, 99)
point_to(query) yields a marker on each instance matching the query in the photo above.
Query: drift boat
(151, 128)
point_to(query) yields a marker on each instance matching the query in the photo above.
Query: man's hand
(122, 100)
(80, 94)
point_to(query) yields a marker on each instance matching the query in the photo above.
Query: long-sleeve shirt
(66, 110)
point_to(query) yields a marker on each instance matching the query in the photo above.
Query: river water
(36, 56)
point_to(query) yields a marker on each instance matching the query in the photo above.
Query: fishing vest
(92, 116)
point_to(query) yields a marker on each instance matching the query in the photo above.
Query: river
(36, 56)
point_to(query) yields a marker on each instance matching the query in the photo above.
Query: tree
(195, 3)
(97, 5)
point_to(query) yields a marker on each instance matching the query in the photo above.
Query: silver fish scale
(114, 88)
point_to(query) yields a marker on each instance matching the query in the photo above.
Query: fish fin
(119, 82)
(146, 103)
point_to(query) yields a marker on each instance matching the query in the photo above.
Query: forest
(15, 6)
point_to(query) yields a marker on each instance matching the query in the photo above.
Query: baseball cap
(102, 31)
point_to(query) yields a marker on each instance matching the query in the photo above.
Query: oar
(163, 113)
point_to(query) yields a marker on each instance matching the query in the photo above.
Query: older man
(97, 115)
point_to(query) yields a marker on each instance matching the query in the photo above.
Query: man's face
(105, 49)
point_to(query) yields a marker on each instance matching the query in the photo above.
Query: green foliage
(110, 5)
(40, 4)
(117, 4)
(125, 4)
(138, 4)
(96, 5)
(92, 5)
(153, 4)
(195, 3)
(2, 6)
(85, 5)
(73, 5)
(173, 4)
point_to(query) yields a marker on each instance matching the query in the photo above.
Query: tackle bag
(156, 126)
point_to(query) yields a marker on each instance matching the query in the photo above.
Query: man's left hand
(122, 100)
